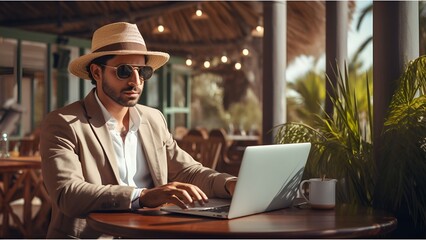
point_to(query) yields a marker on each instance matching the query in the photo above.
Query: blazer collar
(97, 123)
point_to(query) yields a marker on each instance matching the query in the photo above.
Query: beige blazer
(80, 170)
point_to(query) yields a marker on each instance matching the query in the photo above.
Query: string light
(245, 52)
(188, 62)
(238, 65)
(207, 64)
(199, 14)
(258, 30)
(160, 29)
(224, 58)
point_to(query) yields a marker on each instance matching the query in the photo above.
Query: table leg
(10, 189)
(27, 203)
(42, 219)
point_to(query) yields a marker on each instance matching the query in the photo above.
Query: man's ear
(96, 71)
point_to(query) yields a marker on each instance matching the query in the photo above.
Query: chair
(198, 132)
(29, 193)
(205, 151)
(27, 146)
(225, 164)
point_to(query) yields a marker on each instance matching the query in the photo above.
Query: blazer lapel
(150, 148)
(97, 123)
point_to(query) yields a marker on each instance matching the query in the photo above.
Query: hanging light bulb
(245, 52)
(199, 14)
(160, 29)
(238, 65)
(224, 58)
(207, 64)
(188, 62)
(258, 30)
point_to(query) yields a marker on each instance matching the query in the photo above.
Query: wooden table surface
(346, 221)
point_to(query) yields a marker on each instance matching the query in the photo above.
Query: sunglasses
(125, 71)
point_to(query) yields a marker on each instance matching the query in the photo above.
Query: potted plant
(342, 148)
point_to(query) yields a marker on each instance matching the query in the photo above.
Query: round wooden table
(346, 221)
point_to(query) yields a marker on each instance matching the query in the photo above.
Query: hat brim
(78, 66)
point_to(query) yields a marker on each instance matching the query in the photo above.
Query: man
(107, 152)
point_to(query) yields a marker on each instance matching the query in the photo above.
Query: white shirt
(132, 165)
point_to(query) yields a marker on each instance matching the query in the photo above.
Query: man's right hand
(180, 194)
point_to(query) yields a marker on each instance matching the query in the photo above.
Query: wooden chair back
(198, 132)
(219, 134)
(27, 146)
(205, 151)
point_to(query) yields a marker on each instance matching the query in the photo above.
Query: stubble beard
(118, 98)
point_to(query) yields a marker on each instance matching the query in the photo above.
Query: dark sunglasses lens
(146, 72)
(124, 71)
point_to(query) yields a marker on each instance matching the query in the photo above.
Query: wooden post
(274, 67)
(336, 42)
(395, 43)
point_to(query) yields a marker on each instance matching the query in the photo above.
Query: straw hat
(117, 39)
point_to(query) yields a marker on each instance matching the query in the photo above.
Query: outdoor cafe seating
(206, 151)
(24, 203)
(216, 148)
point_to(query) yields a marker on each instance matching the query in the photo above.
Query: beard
(120, 97)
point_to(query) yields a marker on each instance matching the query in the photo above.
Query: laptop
(268, 179)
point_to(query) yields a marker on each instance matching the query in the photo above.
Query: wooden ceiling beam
(145, 13)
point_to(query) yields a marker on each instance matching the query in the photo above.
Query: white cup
(322, 192)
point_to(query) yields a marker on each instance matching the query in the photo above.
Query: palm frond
(402, 181)
(339, 149)
(368, 9)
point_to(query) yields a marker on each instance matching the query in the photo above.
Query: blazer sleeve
(183, 168)
(77, 188)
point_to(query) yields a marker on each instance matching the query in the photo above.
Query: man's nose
(135, 79)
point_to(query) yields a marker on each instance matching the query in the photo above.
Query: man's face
(114, 90)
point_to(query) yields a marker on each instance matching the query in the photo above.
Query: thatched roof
(227, 29)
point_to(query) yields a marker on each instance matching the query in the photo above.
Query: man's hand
(180, 194)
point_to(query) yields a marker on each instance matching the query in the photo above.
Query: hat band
(122, 46)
